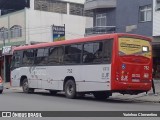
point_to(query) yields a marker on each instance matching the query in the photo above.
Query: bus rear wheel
(100, 95)
(25, 87)
(70, 89)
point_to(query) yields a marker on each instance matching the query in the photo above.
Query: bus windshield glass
(134, 47)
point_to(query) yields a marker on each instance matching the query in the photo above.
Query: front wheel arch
(22, 79)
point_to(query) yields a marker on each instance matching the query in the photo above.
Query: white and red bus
(101, 65)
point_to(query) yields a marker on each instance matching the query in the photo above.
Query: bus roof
(85, 39)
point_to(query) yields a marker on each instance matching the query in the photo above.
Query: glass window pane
(103, 21)
(56, 55)
(40, 52)
(149, 16)
(145, 13)
(108, 44)
(142, 18)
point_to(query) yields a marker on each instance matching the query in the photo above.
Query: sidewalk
(143, 97)
(7, 86)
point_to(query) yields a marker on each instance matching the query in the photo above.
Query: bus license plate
(135, 80)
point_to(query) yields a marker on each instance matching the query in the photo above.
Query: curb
(13, 88)
(150, 97)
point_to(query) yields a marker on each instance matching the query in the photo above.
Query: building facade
(34, 23)
(131, 16)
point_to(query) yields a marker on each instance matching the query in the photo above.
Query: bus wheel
(100, 95)
(53, 92)
(1, 91)
(70, 89)
(25, 87)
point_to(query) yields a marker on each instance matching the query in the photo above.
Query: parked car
(1, 85)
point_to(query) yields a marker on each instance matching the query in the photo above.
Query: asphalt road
(16, 100)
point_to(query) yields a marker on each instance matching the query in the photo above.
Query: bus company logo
(123, 66)
(6, 114)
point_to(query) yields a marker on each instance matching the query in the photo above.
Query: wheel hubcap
(70, 90)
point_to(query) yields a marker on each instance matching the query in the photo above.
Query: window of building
(16, 31)
(101, 20)
(51, 6)
(41, 56)
(3, 33)
(76, 9)
(73, 54)
(88, 13)
(145, 13)
(157, 4)
(56, 55)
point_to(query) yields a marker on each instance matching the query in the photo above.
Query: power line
(24, 34)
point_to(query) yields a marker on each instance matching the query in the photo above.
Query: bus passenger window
(28, 57)
(55, 55)
(108, 45)
(16, 59)
(88, 53)
(72, 54)
(98, 48)
(93, 52)
(41, 56)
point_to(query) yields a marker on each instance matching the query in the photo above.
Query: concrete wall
(156, 20)
(8, 21)
(3, 23)
(38, 24)
(18, 19)
(110, 15)
(127, 17)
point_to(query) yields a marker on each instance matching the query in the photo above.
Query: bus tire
(1, 91)
(25, 87)
(100, 95)
(53, 92)
(70, 89)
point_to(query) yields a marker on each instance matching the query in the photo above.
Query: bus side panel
(15, 77)
(87, 77)
(95, 78)
(18, 73)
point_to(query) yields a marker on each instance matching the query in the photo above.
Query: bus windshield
(134, 47)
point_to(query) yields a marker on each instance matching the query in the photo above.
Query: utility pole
(4, 61)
